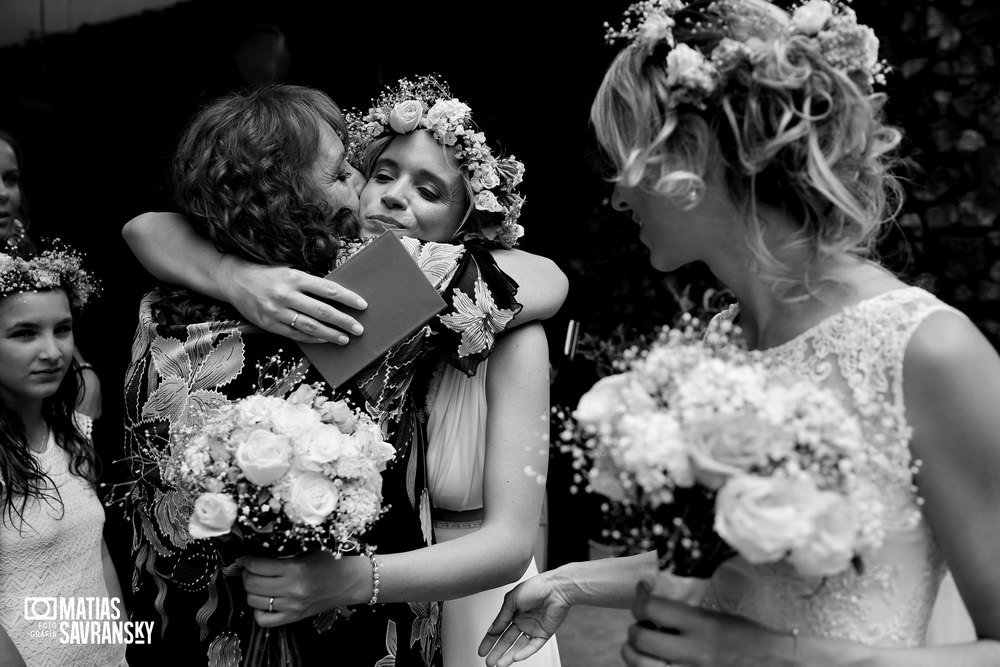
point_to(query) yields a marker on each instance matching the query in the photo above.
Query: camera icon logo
(40, 609)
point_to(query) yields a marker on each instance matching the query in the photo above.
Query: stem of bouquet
(272, 647)
(691, 552)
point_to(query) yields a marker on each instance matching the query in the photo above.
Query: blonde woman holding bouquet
(51, 520)
(751, 139)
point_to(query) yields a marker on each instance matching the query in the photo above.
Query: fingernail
(358, 329)
(362, 303)
(342, 340)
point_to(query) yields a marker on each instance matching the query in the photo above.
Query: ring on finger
(294, 319)
(270, 601)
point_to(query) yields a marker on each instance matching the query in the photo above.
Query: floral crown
(831, 26)
(59, 267)
(427, 103)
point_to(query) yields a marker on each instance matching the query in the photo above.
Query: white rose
(487, 201)
(264, 457)
(487, 176)
(812, 16)
(764, 518)
(214, 514)
(602, 403)
(609, 398)
(311, 499)
(724, 446)
(303, 394)
(341, 414)
(323, 445)
(293, 419)
(405, 116)
(830, 548)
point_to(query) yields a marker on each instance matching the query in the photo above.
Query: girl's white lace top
(57, 553)
(859, 353)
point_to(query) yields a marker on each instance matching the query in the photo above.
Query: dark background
(98, 113)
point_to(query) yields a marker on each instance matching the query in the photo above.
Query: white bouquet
(716, 454)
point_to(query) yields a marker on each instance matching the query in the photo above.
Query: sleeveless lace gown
(57, 553)
(456, 446)
(858, 352)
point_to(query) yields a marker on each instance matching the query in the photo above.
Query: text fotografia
(84, 620)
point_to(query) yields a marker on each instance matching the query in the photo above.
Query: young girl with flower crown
(14, 237)
(750, 139)
(51, 520)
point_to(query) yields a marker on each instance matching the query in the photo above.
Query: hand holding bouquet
(714, 454)
(283, 475)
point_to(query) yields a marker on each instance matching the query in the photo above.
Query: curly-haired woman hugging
(245, 157)
(750, 139)
(51, 520)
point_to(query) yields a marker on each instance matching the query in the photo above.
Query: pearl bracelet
(376, 576)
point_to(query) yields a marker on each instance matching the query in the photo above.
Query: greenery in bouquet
(705, 452)
(283, 475)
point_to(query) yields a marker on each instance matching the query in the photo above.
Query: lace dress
(858, 352)
(57, 553)
(456, 451)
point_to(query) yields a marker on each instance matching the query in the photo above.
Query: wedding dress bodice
(858, 352)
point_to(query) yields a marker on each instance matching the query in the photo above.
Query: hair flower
(405, 116)
(690, 72)
(59, 267)
(657, 28)
(487, 201)
(426, 103)
(811, 17)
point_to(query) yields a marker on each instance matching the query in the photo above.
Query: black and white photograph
(479, 334)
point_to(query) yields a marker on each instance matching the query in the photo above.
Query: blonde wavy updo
(788, 115)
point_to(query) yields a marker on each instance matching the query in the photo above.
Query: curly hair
(787, 129)
(21, 475)
(241, 177)
(476, 223)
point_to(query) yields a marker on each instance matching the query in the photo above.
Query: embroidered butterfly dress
(193, 589)
(858, 352)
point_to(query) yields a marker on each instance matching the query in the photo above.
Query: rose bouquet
(704, 453)
(283, 475)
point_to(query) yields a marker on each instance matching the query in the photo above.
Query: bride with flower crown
(751, 139)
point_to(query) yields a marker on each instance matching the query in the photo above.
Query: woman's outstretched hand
(530, 615)
(290, 303)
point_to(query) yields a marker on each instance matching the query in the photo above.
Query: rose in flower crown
(59, 267)
(426, 103)
(751, 30)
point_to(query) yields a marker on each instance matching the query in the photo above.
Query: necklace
(45, 440)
